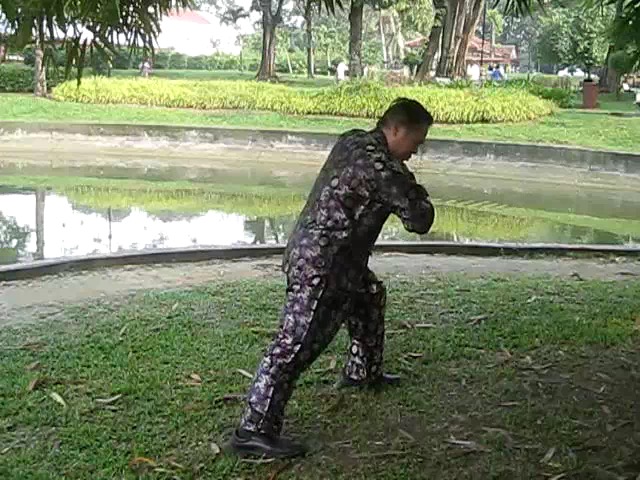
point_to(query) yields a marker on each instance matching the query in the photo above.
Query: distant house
(196, 32)
(504, 55)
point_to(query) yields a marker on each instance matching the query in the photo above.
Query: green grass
(564, 128)
(517, 366)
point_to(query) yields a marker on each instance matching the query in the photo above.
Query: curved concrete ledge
(438, 149)
(56, 266)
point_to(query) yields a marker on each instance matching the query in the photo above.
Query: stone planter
(589, 94)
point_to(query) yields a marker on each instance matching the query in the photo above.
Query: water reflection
(44, 224)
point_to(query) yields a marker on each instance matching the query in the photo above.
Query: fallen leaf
(425, 325)
(34, 384)
(611, 428)
(56, 397)
(550, 453)
(33, 366)
(477, 320)
(215, 449)
(123, 330)
(177, 465)
(542, 367)
(604, 376)
(195, 377)
(558, 477)
(333, 363)
(244, 373)
(174, 307)
(107, 401)
(233, 397)
(532, 299)
(414, 355)
(468, 444)
(407, 325)
(142, 460)
(33, 346)
(407, 435)
(509, 404)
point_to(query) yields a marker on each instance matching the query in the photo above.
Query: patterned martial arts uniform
(328, 280)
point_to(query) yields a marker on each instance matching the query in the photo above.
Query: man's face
(404, 142)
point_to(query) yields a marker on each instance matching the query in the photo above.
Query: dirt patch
(39, 300)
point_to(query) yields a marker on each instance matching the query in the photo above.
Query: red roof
(188, 16)
(501, 53)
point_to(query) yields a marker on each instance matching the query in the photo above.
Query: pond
(73, 196)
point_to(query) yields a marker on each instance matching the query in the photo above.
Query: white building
(196, 32)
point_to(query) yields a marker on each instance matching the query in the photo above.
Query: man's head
(405, 125)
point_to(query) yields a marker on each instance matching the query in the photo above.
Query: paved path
(42, 299)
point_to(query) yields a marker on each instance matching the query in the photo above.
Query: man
(363, 181)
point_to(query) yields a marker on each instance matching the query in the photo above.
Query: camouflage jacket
(356, 190)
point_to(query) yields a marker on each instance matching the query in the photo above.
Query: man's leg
(365, 321)
(310, 322)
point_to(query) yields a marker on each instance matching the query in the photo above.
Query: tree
(231, 15)
(496, 23)
(625, 28)
(84, 25)
(621, 63)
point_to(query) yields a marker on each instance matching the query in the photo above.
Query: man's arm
(397, 188)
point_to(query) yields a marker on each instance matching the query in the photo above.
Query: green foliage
(562, 97)
(622, 62)
(352, 99)
(16, 78)
(571, 36)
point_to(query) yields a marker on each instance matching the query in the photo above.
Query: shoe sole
(244, 451)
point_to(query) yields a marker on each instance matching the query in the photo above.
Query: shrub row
(19, 78)
(355, 99)
(16, 78)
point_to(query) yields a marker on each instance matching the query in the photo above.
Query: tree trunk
(470, 24)
(435, 38)
(383, 41)
(270, 22)
(608, 77)
(396, 30)
(355, 38)
(446, 57)
(40, 72)
(308, 21)
(464, 7)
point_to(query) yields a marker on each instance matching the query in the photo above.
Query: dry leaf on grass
(195, 377)
(142, 461)
(34, 384)
(407, 435)
(108, 401)
(477, 320)
(123, 330)
(425, 325)
(509, 404)
(32, 366)
(414, 355)
(558, 477)
(215, 449)
(467, 444)
(244, 373)
(57, 398)
(547, 457)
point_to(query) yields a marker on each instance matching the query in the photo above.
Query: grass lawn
(565, 128)
(512, 379)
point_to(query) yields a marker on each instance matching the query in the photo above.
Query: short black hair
(406, 112)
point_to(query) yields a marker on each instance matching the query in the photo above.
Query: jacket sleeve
(396, 187)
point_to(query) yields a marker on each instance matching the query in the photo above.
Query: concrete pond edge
(437, 148)
(36, 269)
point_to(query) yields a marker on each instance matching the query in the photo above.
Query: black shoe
(244, 443)
(384, 380)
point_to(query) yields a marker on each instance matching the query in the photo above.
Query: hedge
(19, 78)
(16, 78)
(355, 99)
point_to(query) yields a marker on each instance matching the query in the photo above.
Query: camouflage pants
(311, 318)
